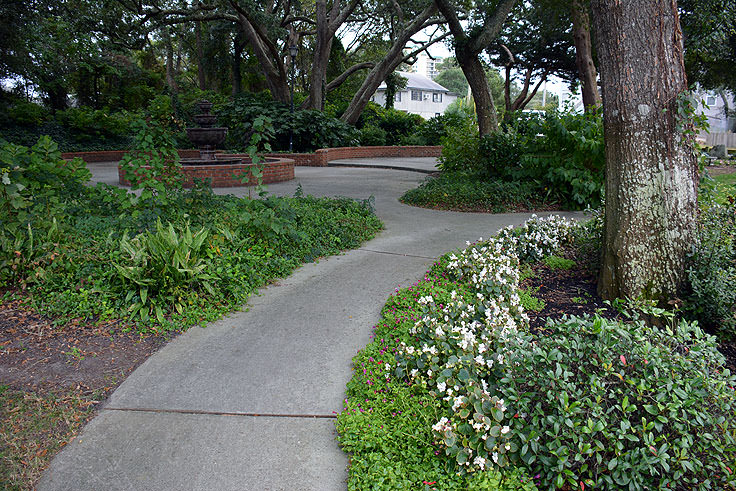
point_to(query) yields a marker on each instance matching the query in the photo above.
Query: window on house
(416, 95)
(710, 100)
(436, 97)
(397, 97)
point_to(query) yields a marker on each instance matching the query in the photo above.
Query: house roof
(417, 81)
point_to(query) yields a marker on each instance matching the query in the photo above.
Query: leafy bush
(460, 191)
(27, 113)
(85, 124)
(372, 136)
(311, 129)
(159, 265)
(621, 405)
(568, 158)
(711, 295)
(33, 185)
(560, 155)
(500, 152)
(153, 163)
(397, 124)
(461, 149)
(435, 129)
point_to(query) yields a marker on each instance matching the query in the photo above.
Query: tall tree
(651, 171)
(405, 23)
(579, 10)
(484, 28)
(536, 42)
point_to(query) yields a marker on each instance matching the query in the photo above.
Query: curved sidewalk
(249, 401)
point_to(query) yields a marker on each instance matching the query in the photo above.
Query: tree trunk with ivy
(651, 169)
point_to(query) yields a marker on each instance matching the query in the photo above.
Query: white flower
(505, 430)
(414, 373)
(480, 462)
(441, 386)
(495, 457)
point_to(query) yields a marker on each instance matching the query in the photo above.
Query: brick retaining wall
(228, 175)
(316, 159)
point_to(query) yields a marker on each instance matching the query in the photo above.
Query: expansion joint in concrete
(219, 413)
(396, 254)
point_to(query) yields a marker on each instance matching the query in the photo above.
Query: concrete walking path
(249, 401)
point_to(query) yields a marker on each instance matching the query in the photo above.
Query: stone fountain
(220, 169)
(206, 137)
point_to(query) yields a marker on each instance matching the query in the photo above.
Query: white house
(421, 96)
(714, 108)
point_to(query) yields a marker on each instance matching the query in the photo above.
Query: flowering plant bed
(458, 392)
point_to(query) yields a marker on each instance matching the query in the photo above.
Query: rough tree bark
(651, 171)
(584, 54)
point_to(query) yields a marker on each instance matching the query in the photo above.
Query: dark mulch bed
(574, 292)
(38, 356)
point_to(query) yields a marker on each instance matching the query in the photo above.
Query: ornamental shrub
(711, 294)
(619, 405)
(35, 185)
(592, 403)
(397, 124)
(372, 136)
(311, 129)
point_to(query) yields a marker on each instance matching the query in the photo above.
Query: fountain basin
(229, 170)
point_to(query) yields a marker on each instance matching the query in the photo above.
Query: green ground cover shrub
(559, 157)
(595, 404)
(177, 258)
(711, 294)
(461, 191)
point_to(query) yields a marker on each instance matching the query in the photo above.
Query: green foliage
(560, 155)
(461, 149)
(556, 262)
(435, 129)
(711, 294)
(34, 184)
(311, 129)
(397, 124)
(372, 136)
(161, 268)
(86, 124)
(529, 302)
(153, 163)
(460, 191)
(621, 405)
(27, 113)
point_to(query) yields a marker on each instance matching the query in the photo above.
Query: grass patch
(33, 428)
(556, 262)
(465, 192)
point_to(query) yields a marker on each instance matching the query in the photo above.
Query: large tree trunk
(322, 48)
(584, 55)
(476, 76)
(651, 172)
(468, 45)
